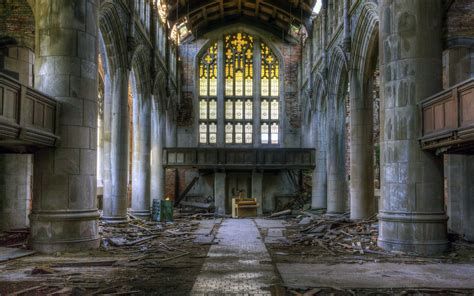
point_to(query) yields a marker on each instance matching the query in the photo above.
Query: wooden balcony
(239, 158)
(448, 119)
(28, 118)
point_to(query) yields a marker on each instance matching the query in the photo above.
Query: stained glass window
(238, 89)
(270, 91)
(238, 70)
(208, 96)
(269, 115)
(269, 72)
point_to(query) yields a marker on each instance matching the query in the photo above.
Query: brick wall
(17, 21)
(460, 19)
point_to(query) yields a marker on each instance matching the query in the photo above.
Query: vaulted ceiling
(275, 16)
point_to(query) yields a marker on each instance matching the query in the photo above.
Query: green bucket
(162, 210)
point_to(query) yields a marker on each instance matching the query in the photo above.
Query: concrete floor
(238, 264)
(377, 275)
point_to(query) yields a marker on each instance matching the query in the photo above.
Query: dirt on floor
(140, 258)
(316, 238)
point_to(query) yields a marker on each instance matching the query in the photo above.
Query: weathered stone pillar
(362, 151)
(64, 215)
(412, 217)
(257, 190)
(16, 173)
(157, 143)
(115, 188)
(319, 190)
(141, 157)
(336, 180)
(219, 192)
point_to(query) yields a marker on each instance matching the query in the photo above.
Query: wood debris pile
(14, 238)
(337, 233)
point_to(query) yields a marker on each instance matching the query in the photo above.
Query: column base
(115, 220)
(141, 214)
(63, 231)
(420, 233)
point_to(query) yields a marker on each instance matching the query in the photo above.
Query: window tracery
(238, 88)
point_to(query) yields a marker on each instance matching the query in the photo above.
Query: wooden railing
(448, 118)
(27, 116)
(239, 158)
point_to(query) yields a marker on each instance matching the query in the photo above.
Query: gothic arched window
(250, 103)
(208, 96)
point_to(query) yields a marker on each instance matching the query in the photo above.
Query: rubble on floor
(140, 257)
(328, 242)
(336, 233)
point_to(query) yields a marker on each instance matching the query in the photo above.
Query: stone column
(115, 189)
(412, 217)
(219, 192)
(64, 215)
(16, 173)
(362, 152)
(319, 190)
(141, 157)
(157, 142)
(336, 180)
(257, 190)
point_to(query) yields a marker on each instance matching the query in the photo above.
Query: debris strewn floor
(140, 258)
(304, 254)
(332, 255)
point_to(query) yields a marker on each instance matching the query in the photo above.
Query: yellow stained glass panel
(213, 109)
(239, 84)
(274, 133)
(264, 133)
(238, 133)
(248, 133)
(274, 87)
(274, 109)
(213, 87)
(203, 109)
(265, 90)
(229, 110)
(264, 110)
(229, 131)
(248, 109)
(239, 109)
(229, 87)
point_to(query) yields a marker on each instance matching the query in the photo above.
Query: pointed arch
(365, 38)
(113, 33)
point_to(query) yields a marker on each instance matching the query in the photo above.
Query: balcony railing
(239, 158)
(448, 118)
(27, 116)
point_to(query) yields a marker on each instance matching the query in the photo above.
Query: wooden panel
(38, 117)
(49, 118)
(439, 117)
(28, 109)
(451, 114)
(467, 107)
(10, 104)
(428, 123)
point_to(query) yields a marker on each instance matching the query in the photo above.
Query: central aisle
(238, 264)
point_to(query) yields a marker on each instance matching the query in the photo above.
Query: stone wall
(18, 62)
(16, 173)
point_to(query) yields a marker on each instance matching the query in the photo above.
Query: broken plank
(85, 263)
